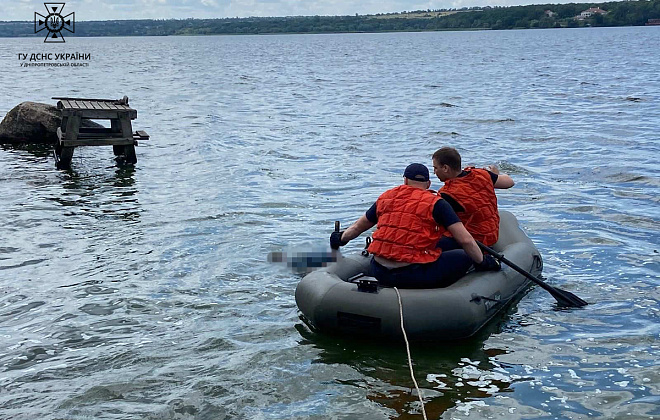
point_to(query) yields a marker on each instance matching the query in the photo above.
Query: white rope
(405, 338)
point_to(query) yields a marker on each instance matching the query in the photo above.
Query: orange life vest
(406, 230)
(476, 194)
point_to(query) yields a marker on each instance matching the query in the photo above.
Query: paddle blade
(566, 298)
(563, 297)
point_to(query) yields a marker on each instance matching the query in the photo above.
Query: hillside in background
(623, 13)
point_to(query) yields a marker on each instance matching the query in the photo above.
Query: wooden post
(115, 127)
(66, 152)
(127, 132)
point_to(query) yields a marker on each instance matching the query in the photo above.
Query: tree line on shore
(621, 13)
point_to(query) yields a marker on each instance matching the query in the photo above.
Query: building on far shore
(550, 13)
(590, 12)
(653, 22)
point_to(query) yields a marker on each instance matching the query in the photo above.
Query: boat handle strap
(477, 299)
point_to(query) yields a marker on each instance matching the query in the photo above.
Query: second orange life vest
(476, 194)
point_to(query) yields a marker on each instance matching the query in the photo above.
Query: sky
(211, 9)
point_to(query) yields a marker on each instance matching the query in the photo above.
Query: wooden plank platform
(95, 108)
(72, 134)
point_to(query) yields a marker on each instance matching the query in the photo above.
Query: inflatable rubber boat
(343, 298)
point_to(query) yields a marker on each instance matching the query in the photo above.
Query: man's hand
(335, 239)
(493, 168)
(489, 263)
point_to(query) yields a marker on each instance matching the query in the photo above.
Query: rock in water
(33, 122)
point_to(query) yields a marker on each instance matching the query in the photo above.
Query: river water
(145, 292)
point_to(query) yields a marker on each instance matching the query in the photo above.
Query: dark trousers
(451, 266)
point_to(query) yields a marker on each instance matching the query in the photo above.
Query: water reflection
(35, 152)
(448, 373)
(100, 194)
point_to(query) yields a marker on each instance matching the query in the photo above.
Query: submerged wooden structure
(119, 135)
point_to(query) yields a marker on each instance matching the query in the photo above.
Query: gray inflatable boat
(342, 298)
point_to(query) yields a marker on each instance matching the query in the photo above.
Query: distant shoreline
(573, 15)
(264, 33)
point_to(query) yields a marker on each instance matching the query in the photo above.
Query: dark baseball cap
(417, 172)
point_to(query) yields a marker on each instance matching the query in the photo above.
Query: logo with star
(54, 22)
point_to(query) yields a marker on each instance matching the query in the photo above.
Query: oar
(563, 297)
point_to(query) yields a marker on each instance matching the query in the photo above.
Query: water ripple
(145, 292)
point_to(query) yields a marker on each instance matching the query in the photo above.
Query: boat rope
(405, 338)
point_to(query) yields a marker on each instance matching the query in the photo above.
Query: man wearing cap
(410, 219)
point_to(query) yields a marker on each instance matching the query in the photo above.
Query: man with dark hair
(409, 221)
(471, 193)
